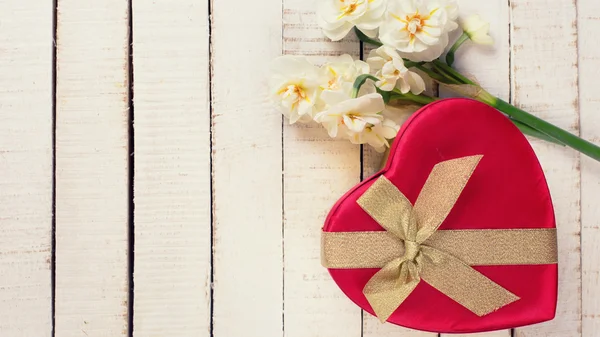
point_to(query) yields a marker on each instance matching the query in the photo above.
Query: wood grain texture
(373, 328)
(589, 107)
(247, 173)
(500, 333)
(318, 170)
(26, 168)
(172, 168)
(544, 74)
(92, 169)
(489, 65)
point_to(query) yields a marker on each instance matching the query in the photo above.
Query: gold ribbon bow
(411, 249)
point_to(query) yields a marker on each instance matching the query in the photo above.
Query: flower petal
(417, 85)
(334, 97)
(403, 86)
(375, 62)
(329, 11)
(338, 33)
(370, 103)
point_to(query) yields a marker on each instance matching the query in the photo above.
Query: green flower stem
(526, 122)
(446, 75)
(569, 139)
(410, 64)
(364, 38)
(462, 80)
(528, 130)
(409, 96)
(458, 76)
(524, 125)
(450, 55)
(435, 76)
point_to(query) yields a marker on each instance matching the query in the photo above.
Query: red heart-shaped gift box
(507, 190)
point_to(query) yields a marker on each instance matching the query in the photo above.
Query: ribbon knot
(411, 249)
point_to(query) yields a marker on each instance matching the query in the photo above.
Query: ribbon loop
(391, 285)
(440, 192)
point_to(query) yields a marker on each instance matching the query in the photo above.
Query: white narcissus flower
(340, 72)
(389, 67)
(338, 17)
(477, 29)
(376, 135)
(350, 114)
(419, 28)
(295, 87)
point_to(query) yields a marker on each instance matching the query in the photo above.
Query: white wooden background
(147, 188)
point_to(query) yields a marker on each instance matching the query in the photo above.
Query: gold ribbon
(412, 249)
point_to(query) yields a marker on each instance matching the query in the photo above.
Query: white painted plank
(589, 108)
(172, 168)
(544, 73)
(92, 169)
(26, 166)
(247, 160)
(500, 333)
(373, 328)
(318, 171)
(489, 65)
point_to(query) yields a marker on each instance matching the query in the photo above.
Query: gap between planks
(92, 103)
(173, 191)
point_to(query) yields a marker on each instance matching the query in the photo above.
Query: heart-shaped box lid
(508, 190)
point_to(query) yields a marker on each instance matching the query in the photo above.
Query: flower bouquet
(360, 101)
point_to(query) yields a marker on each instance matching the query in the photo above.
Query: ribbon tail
(462, 283)
(390, 286)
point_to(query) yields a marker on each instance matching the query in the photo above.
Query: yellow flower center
(349, 9)
(299, 92)
(352, 115)
(294, 91)
(414, 23)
